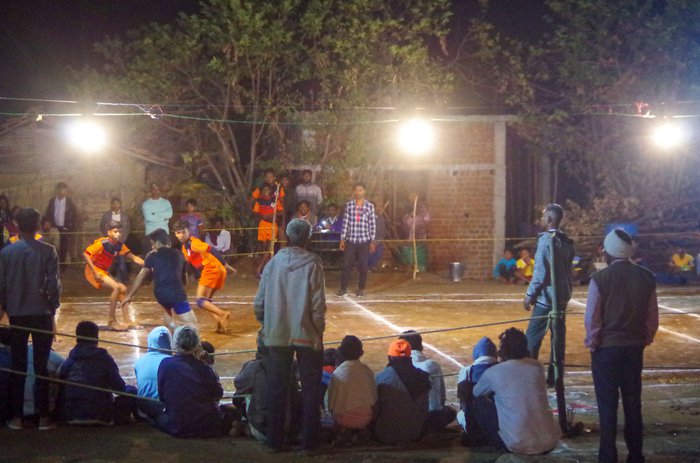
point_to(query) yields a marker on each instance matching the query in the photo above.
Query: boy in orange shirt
(266, 207)
(200, 255)
(98, 258)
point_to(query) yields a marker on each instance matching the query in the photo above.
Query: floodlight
(416, 136)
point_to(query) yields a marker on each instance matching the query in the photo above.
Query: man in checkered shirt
(357, 239)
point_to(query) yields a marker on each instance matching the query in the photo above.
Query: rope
(72, 383)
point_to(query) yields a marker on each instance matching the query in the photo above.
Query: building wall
(466, 193)
(32, 168)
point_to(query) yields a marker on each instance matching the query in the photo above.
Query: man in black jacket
(63, 213)
(30, 290)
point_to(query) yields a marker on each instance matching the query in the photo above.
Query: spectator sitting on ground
(304, 213)
(146, 370)
(218, 238)
(190, 391)
(439, 415)
(93, 366)
(505, 268)
(484, 357)
(402, 397)
(352, 393)
(681, 266)
(520, 419)
(525, 267)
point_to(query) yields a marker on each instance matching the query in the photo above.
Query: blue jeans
(619, 370)
(279, 371)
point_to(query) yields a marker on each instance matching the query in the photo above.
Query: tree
(236, 84)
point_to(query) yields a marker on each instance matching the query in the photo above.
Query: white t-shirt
(526, 424)
(352, 386)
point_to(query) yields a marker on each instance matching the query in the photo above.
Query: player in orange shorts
(266, 206)
(202, 257)
(99, 257)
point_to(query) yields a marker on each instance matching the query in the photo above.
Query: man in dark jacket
(190, 390)
(622, 317)
(93, 366)
(541, 292)
(64, 215)
(30, 290)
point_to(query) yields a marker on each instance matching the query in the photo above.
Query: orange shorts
(90, 277)
(213, 276)
(265, 230)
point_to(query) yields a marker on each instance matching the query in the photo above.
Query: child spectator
(218, 238)
(484, 357)
(146, 370)
(681, 267)
(165, 263)
(192, 219)
(267, 207)
(190, 391)
(505, 268)
(93, 366)
(402, 397)
(201, 256)
(352, 393)
(525, 267)
(49, 234)
(331, 360)
(439, 415)
(520, 419)
(98, 258)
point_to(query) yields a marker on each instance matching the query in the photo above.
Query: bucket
(407, 256)
(456, 271)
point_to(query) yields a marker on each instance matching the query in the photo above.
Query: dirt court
(393, 303)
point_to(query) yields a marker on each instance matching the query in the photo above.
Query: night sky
(40, 40)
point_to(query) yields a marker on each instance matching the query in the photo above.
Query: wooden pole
(274, 220)
(415, 246)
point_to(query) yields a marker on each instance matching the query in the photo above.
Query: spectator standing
(64, 214)
(5, 218)
(291, 306)
(304, 213)
(93, 366)
(511, 405)
(193, 219)
(357, 239)
(308, 191)
(218, 237)
(117, 214)
(540, 291)
(290, 198)
(30, 290)
(157, 211)
(621, 319)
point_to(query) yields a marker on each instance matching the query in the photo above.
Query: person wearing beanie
(621, 319)
(146, 370)
(352, 392)
(540, 292)
(402, 397)
(510, 406)
(190, 391)
(291, 307)
(484, 356)
(92, 365)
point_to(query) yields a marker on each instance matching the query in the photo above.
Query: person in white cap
(622, 317)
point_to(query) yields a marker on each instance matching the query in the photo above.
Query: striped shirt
(359, 223)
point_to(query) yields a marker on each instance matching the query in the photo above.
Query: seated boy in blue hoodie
(93, 366)
(146, 370)
(484, 356)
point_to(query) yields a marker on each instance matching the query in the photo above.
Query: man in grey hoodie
(291, 306)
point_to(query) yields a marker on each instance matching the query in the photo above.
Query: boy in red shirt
(199, 254)
(266, 207)
(98, 258)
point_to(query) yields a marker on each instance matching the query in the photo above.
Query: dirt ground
(393, 303)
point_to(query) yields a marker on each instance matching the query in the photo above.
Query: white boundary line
(661, 328)
(665, 307)
(398, 329)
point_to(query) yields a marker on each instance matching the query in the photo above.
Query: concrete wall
(35, 158)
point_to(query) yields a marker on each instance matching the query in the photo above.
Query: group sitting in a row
(502, 395)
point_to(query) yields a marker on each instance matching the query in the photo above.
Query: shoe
(16, 424)
(46, 423)
(341, 292)
(360, 293)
